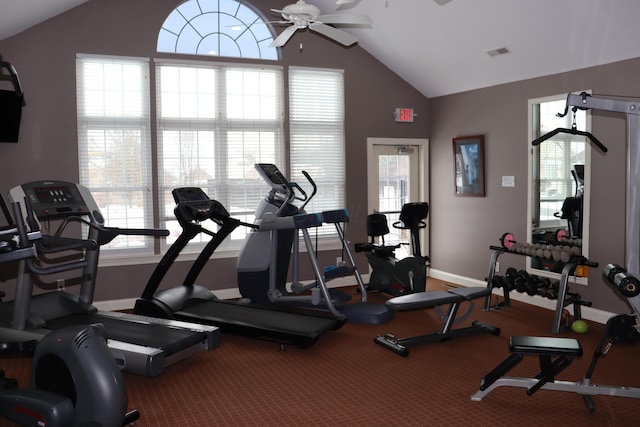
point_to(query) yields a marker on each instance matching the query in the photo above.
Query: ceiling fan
(304, 15)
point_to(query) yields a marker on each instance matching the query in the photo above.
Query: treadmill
(18, 245)
(141, 345)
(194, 303)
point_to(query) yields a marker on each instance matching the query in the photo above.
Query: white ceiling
(18, 15)
(442, 50)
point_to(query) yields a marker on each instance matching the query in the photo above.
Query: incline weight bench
(555, 354)
(434, 299)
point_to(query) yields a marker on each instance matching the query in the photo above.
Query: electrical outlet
(61, 285)
(497, 267)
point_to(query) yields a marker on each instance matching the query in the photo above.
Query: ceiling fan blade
(333, 33)
(346, 4)
(344, 19)
(284, 36)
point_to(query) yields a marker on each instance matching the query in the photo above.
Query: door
(398, 175)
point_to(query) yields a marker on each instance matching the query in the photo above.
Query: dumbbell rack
(562, 288)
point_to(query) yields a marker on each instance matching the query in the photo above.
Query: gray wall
(463, 228)
(45, 59)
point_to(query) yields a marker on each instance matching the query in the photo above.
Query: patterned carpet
(345, 380)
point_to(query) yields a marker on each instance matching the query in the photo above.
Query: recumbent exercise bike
(389, 274)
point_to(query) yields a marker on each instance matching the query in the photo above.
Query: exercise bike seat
(377, 227)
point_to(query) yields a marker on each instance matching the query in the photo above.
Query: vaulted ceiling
(442, 47)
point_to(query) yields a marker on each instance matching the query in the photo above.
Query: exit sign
(404, 115)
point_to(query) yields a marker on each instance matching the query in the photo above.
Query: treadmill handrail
(25, 243)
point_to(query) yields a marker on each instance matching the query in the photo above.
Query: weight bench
(434, 299)
(555, 354)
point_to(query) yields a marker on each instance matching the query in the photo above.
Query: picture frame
(468, 154)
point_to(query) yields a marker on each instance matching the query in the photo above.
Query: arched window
(218, 28)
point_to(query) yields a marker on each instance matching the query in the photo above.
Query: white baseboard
(588, 313)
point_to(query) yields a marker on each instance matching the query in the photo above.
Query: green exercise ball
(579, 327)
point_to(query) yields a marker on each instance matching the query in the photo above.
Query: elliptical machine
(389, 274)
(264, 260)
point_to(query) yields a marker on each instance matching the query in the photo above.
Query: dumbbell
(508, 241)
(508, 282)
(561, 253)
(544, 286)
(520, 281)
(531, 285)
(553, 290)
(496, 282)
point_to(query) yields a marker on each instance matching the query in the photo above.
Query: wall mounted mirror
(559, 188)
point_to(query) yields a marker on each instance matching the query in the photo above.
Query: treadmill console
(52, 199)
(272, 175)
(199, 204)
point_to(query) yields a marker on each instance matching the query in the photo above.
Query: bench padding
(545, 346)
(420, 300)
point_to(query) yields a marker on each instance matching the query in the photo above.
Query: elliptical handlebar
(290, 195)
(313, 193)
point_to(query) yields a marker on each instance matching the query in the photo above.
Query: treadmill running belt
(265, 323)
(170, 340)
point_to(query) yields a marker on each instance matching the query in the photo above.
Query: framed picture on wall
(468, 154)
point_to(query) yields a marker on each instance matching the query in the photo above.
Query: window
(114, 143)
(214, 123)
(316, 104)
(217, 27)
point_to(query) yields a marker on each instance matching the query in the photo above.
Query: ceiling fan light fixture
(499, 51)
(301, 15)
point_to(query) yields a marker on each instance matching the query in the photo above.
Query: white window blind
(214, 123)
(316, 108)
(114, 142)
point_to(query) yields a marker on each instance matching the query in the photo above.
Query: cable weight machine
(556, 353)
